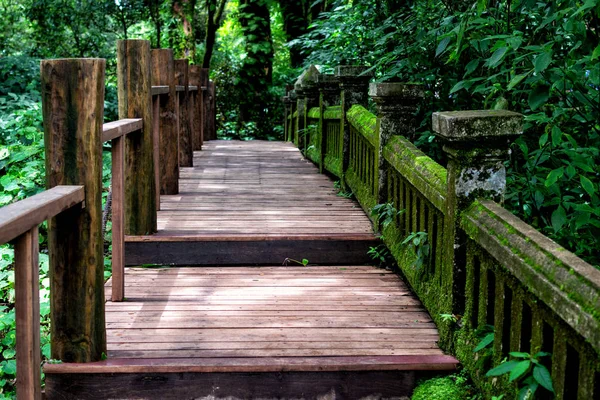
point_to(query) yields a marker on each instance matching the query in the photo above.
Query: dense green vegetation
(538, 58)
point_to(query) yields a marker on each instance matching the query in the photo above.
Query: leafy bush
(538, 58)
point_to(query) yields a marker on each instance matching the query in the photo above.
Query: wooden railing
(484, 266)
(145, 149)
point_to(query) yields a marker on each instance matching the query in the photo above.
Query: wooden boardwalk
(254, 202)
(334, 328)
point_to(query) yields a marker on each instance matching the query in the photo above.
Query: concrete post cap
(464, 126)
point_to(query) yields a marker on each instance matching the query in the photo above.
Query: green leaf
(587, 185)
(471, 66)
(542, 376)
(496, 57)
(556, 136)
(304, 262)
(553, 176)
(502, 369)
(559, 218)
(542, 62)
(515, 81)
(489, 338)
(442, 46)
(526, 392)
(519, 370)
(538, 96)
(596, 53)
(519, 354)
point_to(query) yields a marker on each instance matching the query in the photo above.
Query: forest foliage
(538, 58)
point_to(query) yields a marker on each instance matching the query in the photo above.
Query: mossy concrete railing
(363, 171)
(484, 266)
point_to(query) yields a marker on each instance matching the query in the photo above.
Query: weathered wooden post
(163, 74)
(354, 83)
(307, 92)
(396, 106)
(73, 110)
(135, 101)
(329, 95)
(477, 144)
(196, 108)
(186, 153)
(293, 110)
(204, 74)
(211, 116)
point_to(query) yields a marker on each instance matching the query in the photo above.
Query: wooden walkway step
(254, 202)
(258, 332)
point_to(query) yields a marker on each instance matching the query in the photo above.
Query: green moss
(365, 123)
(333, 165)
(363, 193)
(333, 112)
(314, 113)
(445, 388)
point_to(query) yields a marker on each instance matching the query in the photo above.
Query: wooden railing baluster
(118, 218)
(27, 309)
(196, 108)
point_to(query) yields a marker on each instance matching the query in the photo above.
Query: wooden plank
(18, 218)
(274, 385)
(262, 252)
(403, 343)
(135, 101)
(27, 307)
(175, 236)
(266, 364)
(122, 127)
(118, 218)
(160, 89)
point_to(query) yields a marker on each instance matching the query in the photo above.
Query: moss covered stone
(444, 388)
(365, 123)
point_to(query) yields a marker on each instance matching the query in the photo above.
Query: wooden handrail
(20, 217)
(122, 127)
(19, 222)
(160, 89)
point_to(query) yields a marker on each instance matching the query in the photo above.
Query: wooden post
(27, 308)
(212, 129)
(135, 101)
(186, 154)
(118, 218)
(163, 74)
(73, 109)
(196, 108)
(204, 73)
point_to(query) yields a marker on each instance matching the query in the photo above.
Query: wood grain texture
(186, 152)
(27, 307)
(204, 99)
(253, 323)
(135, 101)
(254, 203)
(73, 108)
(111, 130)
(17, 218)
(118, 217)
(163, 73)
(196, 107)
(295, 385)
